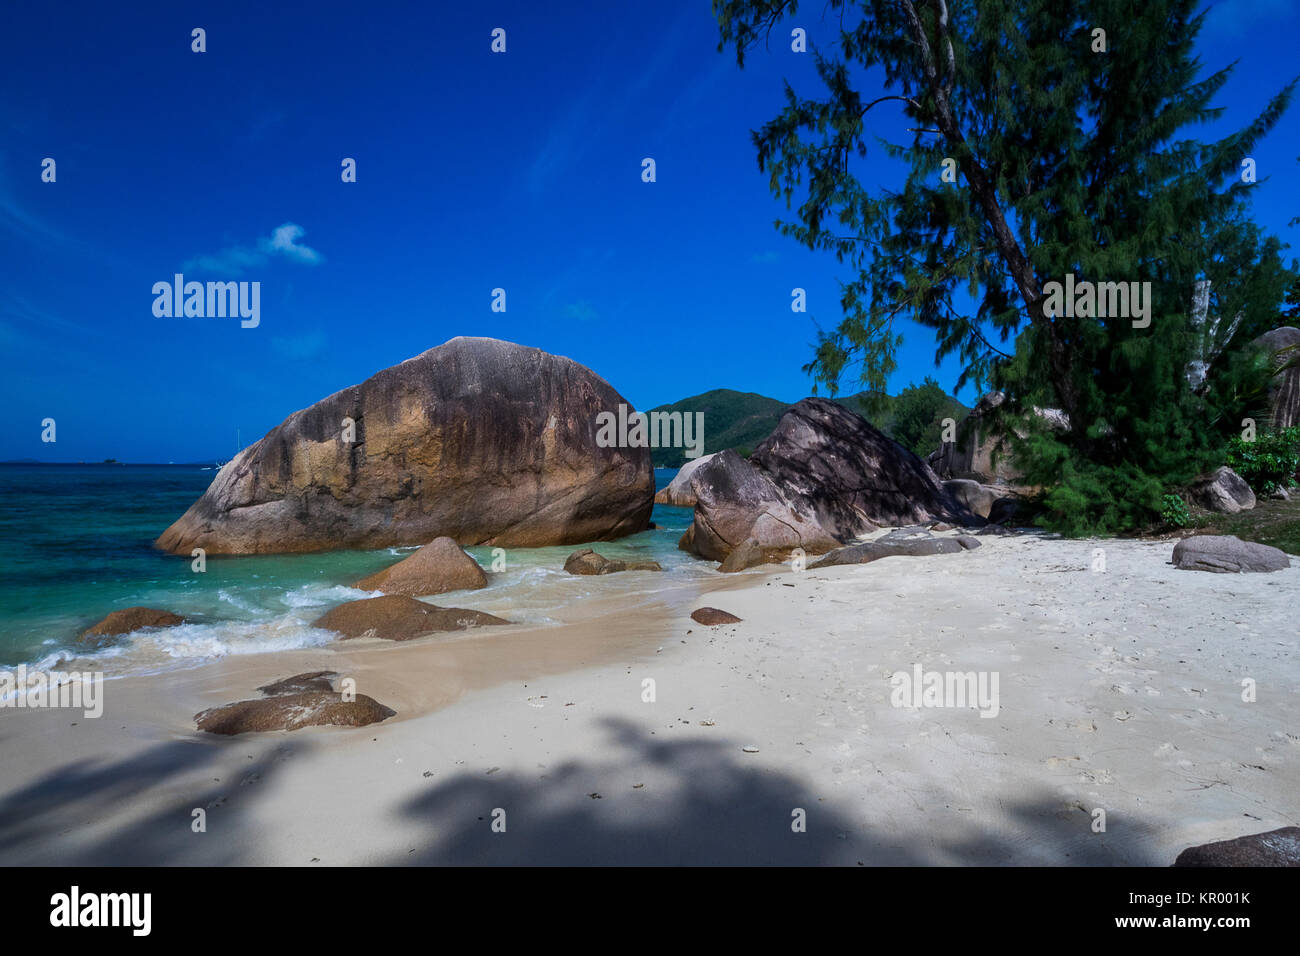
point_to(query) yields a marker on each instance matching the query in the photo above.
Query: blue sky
(474, 171)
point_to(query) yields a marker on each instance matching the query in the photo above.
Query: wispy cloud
(764, 258)
(282, 243)
(305, 346)
(582, 311)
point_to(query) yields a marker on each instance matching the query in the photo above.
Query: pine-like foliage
(1071, 159)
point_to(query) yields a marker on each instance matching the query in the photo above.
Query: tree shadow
(35, 817)
(701, 804)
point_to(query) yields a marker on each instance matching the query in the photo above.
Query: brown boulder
(712, 617)
(299, 683)
(292, 712)
(735, 502)
(750, 554)
(128, 620)
(1275, 848)
(396, 617)
(587, 561)
(479, 440)
(439, 566)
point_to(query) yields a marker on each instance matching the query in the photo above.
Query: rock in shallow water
(1227, 554)
(479, 440)
(442, 565)
(396, 617)
(587, 561)
(127, 620)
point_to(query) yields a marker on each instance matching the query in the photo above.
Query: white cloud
(282, 243)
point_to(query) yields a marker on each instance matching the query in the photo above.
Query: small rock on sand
(712, 617)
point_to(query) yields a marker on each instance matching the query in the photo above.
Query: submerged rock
(395, 617)
(127, 620)
(587, 561)
(1275, 848)
(1227, 554)
(478, 440)
(442, 565)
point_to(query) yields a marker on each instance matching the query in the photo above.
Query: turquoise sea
(76, 543)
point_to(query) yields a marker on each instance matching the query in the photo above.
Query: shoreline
(1119, 691)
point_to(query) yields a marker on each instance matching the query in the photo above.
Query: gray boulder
(1222, 490)
(822, 478)
(980, 454)
(1283, 345)
(906, 542)
(980, 500)
(678, 492)
(738, 502)
(1275, 848)
(1227, 554)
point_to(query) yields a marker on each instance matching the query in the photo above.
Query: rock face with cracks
(822, 478)
(478, 440)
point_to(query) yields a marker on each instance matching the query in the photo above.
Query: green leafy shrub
(1269, 462)
(1175, 511)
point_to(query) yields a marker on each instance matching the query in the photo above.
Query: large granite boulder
(980, 500)
(441, 565)
(396, 617)
(1222, 490)
(478, 440)
(822, 478)
(1227, 554)
(981, 454)
(736, 502)
(1275, 848)
(1284, 392)
(678, 492)
(127, 620)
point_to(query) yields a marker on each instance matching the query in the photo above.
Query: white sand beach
(1120, 691)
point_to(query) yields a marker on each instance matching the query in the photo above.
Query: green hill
(740, 420)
